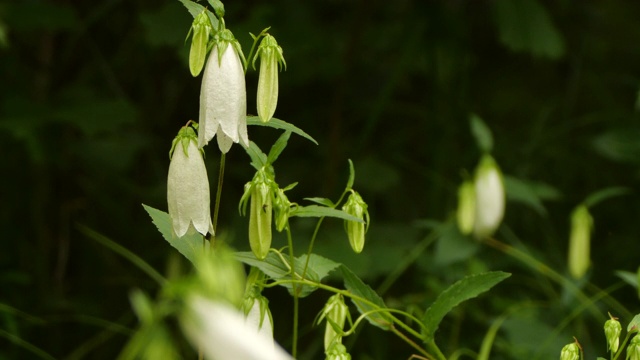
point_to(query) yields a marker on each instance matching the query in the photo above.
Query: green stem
(394, 319)
(545, 270)
(124, 252)
(216, 208)
(624, 344)
(313, 240)
(404, 265)
(294, 344)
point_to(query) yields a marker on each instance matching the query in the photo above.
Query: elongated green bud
(570, 352)
(270, 56)
(612, 331)
(201, 29)
(260, 219)
(335, 312)
(466, 207)
(356, 230)
(579, 241)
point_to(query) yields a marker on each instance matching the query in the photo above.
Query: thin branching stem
(294, 343)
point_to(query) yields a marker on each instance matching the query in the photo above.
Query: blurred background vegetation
(93, 92)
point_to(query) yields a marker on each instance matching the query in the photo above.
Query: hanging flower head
(223, 96)
(356, 230)
(270, 56)
(188, 186)
(490, 198)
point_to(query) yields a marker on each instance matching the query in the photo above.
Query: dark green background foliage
(92, 93)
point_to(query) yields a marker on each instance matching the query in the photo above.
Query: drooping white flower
(188, 186)
(259, 317)
(223, 95)
(222, 333)
(490, 198)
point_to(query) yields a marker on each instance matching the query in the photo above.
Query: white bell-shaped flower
(223, 334)
(223, 95)
(490, 198)
(188, 186)
(259, 317)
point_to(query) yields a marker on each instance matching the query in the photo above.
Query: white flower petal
(222, 333)
(223, 98)
(188, 191)
(254, 318)
(490, 199)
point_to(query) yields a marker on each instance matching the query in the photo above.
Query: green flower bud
(633, 350)
(270, 56)
(612, 331)
(260, 220)
(220, 276)
(335, 311)
(490, 198)
(188, 186)
(570, 352)
(281, 207)
(223, 95)
(356, 230)
(260, 193)
(201, 29)
(338, 352)
(579, 241)
(466, 207)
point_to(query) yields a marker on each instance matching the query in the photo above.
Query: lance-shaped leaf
(465, 289)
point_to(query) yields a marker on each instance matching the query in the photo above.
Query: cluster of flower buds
(570, 351)
(612, 331)
(482, 202)
(633, 350)
(580, 241)
(356, 231)
(335, 312)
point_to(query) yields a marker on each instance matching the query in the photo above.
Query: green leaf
(525, 26)
(352, 176)
(277, 268)
(258, 158)
(189, 245)
(628, 277)
(278, 147)
(195, 9)
(280, 124)
(605, 194)
(481, 133)
(322, 201)
(633, 325)
(218, 7)
(358, 288)
(465, 289)
(520, 191)
(322, 211)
